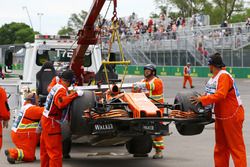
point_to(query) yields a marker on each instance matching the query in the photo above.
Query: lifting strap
(115, 34)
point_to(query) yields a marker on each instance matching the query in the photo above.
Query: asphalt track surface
(181, 151)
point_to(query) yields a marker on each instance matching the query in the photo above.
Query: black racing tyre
(78, 124)
(189, 129)
(140, 145)
(183, 99)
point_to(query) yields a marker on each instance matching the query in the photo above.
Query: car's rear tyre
(189, 129)
(183, 100)
(78, 124)
(141, 145)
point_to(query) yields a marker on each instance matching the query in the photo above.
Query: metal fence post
(171, 53)
(178, 48)
(242, 57)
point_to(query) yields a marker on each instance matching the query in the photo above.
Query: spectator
(174, 28)
(150, 22)
(155, 28)
(239, 31)
(248, 24)
(178, 22)
(132, 26)
(205, 53)
(224, 24)
(183, 22)
(200, 48)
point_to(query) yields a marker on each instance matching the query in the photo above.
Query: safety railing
(176, 48)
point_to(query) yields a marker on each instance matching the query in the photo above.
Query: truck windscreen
(59, 55)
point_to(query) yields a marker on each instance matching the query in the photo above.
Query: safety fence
(178, 48)
(15, 66)
(17, 69)
(237, 72)
(178, 71)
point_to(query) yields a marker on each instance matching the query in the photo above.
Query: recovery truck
(110, 114)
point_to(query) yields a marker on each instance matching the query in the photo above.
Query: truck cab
(59, 50)
(54, 48)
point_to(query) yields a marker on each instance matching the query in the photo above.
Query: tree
(74, 24)
(218, 10)
(66, 31)
(16, 33)
(187, 7)
(228, 7)
(240, 17)
(215, 15)
(154, 15)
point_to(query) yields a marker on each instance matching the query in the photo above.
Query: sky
(56, 12)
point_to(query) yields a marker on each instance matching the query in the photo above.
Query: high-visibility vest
(18, 123)
(153, 91)
(49, 104)
(187, 71)
(51, 110)
(212, 85)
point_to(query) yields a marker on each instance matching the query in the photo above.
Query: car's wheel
(189, 129)
(140, 145)
(78, 124)
(183, 99)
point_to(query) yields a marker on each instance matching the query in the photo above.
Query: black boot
(158, 154)
(9, 158)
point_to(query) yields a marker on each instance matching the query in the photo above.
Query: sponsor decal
(148, 127)
(104, 127)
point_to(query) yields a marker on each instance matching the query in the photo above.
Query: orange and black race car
(109, 116)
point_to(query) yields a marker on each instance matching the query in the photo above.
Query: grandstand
(189, 43)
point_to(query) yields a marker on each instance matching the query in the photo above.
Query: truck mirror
(8, 60)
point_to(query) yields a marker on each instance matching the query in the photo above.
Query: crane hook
(114, 18)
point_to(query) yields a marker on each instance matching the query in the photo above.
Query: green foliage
(189, 7)
(218, 10)
(75, 23)
(229, 7)
(241, 16)
(76, 20)
(174, 14)
(216, 16)
(238, 18)
(65, 31)
(163, 9)
(248, 12)
(16, 33)
(154, 15)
